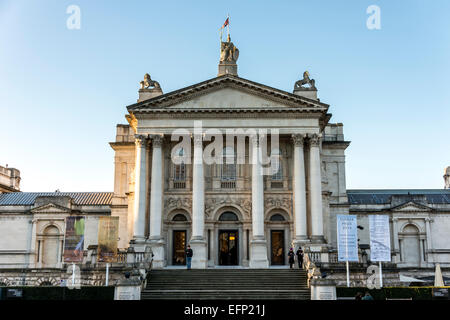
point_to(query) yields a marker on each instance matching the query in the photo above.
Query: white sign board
(380, 240)
(347, 237)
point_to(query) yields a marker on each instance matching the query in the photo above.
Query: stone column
(429, 240)
(315, 189)
(140, 188)
(299, 191)
(258, 245)
(155, 238)
(395, 239)
(198, 243)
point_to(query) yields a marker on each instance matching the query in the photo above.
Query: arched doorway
(178, 235)
(277, 227)
(228, 239)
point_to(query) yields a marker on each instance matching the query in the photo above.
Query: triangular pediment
(411, 207)
(228, 92)
(50, 208)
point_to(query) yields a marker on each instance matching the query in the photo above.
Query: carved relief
(177, 203)
(280, 201)
(212, 204)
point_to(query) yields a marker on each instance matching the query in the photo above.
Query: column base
(300, 241)
(317, 239)
(158, 246)
(258, 254)
(200, 257)
(137, 241)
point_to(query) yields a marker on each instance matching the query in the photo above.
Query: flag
(226, 23)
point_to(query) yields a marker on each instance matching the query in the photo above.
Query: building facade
(238, 170)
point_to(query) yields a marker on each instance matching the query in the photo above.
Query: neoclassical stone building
(230, 212)
(240, 171)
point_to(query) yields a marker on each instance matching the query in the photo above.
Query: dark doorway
(179, 247)
(228, 247)
(277, 245)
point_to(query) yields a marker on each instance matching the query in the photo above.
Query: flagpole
(228, 25)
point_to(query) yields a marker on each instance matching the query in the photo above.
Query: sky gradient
(63, 91)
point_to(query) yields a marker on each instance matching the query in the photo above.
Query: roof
(80, 198)
(173, 97)
(383, 196)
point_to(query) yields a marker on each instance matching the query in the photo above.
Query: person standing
(291, 256)
(299, 254)
(189, 254)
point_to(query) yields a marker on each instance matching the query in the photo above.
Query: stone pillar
(315, 189)
(299, 191)
(140, 188)
(198, 243)
(258, 244)
(155, 237)
(395, 239)
(429, 239)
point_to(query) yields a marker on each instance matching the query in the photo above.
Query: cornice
(227, 81)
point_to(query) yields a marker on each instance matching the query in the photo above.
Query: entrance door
(179, 247)
(228, 247)
(277, 245)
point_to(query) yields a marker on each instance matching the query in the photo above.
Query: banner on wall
(347, 237)
(108, 235)
(74, 239)
(380, 238)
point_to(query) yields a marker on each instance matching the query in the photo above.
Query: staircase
(253, 284)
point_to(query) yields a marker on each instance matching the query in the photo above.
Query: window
(228, 172)
(179, 173)
(276, 163)
(277, 217)
(228, 216)
(179, 217)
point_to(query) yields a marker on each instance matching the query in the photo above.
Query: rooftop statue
(228, 51)
(300, 84)
(148, 83)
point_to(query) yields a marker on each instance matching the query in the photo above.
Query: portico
(245, 146)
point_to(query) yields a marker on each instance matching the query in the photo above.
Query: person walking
(299, 254)
(291, 256)
(189, 254)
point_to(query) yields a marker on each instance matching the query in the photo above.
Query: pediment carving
(412, 207)
(51, 208)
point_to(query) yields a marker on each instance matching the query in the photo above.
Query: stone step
(227, 284)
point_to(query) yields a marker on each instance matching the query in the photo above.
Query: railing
(179, 185)
(228, 184)
(333, 257)
(122, 256)
(314, 257)
(276, 184)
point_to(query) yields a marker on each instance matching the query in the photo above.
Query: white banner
(347, 237)
(380, 240)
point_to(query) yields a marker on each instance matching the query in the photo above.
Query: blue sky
(63, 91)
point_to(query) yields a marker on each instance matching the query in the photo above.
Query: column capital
(157, 140)
(141, 140)
(298, 139)
(314, 139)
